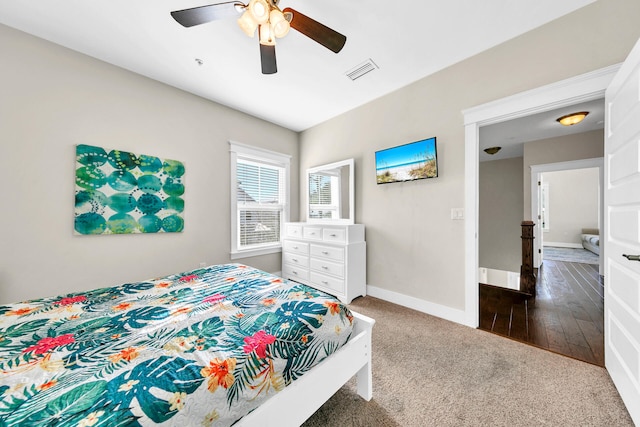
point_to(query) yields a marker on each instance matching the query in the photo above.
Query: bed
(215, 346)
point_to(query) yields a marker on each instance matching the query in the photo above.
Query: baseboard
(442, 311)
(563, 245)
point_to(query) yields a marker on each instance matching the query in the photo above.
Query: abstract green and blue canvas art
(118, 192)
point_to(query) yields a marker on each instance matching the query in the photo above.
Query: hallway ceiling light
(492, 150)
(572, 119)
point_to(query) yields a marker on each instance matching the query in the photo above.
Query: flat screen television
(408, 162)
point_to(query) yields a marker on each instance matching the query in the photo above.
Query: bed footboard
(297, 402)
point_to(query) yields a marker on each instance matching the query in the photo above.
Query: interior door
(542, 217)
(536, 216)
(622, 232)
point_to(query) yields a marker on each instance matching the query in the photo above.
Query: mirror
(331, 192)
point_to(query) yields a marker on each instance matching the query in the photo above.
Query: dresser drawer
(327, 267)
(296, 247)
(314, 233)
(293, 272)
(293, 230)
(295, 259)
(327, 252)
(337, 235)
(326, 255)
(323, 281)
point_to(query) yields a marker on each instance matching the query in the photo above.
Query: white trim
(255, 252)
(471, 201)
(257, 152)
(582, 88)
(595, 162)
(423, 306)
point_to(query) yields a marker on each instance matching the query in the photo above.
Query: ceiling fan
(269, 20)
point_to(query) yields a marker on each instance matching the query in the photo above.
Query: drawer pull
(325, 267)
(295, 247)
(325, 253)
(325, 282)
(294, 272)
(332, 235)
(294, 259)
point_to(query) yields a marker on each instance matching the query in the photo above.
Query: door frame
(536, 170)
(582, 88)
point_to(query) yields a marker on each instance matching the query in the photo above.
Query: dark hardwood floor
(566, 316)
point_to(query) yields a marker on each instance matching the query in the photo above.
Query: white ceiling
(512, 135)
(407, 40)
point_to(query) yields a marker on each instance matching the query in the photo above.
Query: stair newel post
(527, 276)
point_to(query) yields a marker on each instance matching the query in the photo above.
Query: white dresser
(328, 257)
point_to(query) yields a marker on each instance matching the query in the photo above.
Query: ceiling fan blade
(203, 14)
(322, 34)
(268, 59)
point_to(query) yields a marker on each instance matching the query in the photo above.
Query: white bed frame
(297, 402)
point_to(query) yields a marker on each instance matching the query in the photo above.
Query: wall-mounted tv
(408, 162)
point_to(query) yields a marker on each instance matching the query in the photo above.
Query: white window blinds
(259, 200)
(260, 195)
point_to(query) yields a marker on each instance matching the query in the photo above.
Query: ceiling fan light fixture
(266, 35)
(279, 24)
(572, 119)
(259, 10)
(247, 23)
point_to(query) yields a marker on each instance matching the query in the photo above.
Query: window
(259, 200)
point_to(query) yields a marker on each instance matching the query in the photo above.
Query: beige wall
(588, 145)
(52, 98)
(413, 247)
(500, 214)
(573, 205)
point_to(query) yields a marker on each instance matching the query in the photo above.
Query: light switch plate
(457, 213)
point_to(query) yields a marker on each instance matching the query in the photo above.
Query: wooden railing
(527, 274)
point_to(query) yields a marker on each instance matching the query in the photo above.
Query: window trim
(261, 155)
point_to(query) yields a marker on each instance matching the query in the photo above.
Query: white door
(537, 216)
(622, 232)
(543, 209)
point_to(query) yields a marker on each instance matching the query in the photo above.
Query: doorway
(567, 314)
(582, 88)
(537, 173)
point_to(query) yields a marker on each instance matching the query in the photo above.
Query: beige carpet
(431, 372)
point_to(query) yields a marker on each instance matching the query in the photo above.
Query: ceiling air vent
(362, 69)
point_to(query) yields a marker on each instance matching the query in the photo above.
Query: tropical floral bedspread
(199, 348)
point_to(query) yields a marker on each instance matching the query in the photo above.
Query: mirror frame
(351, 219)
